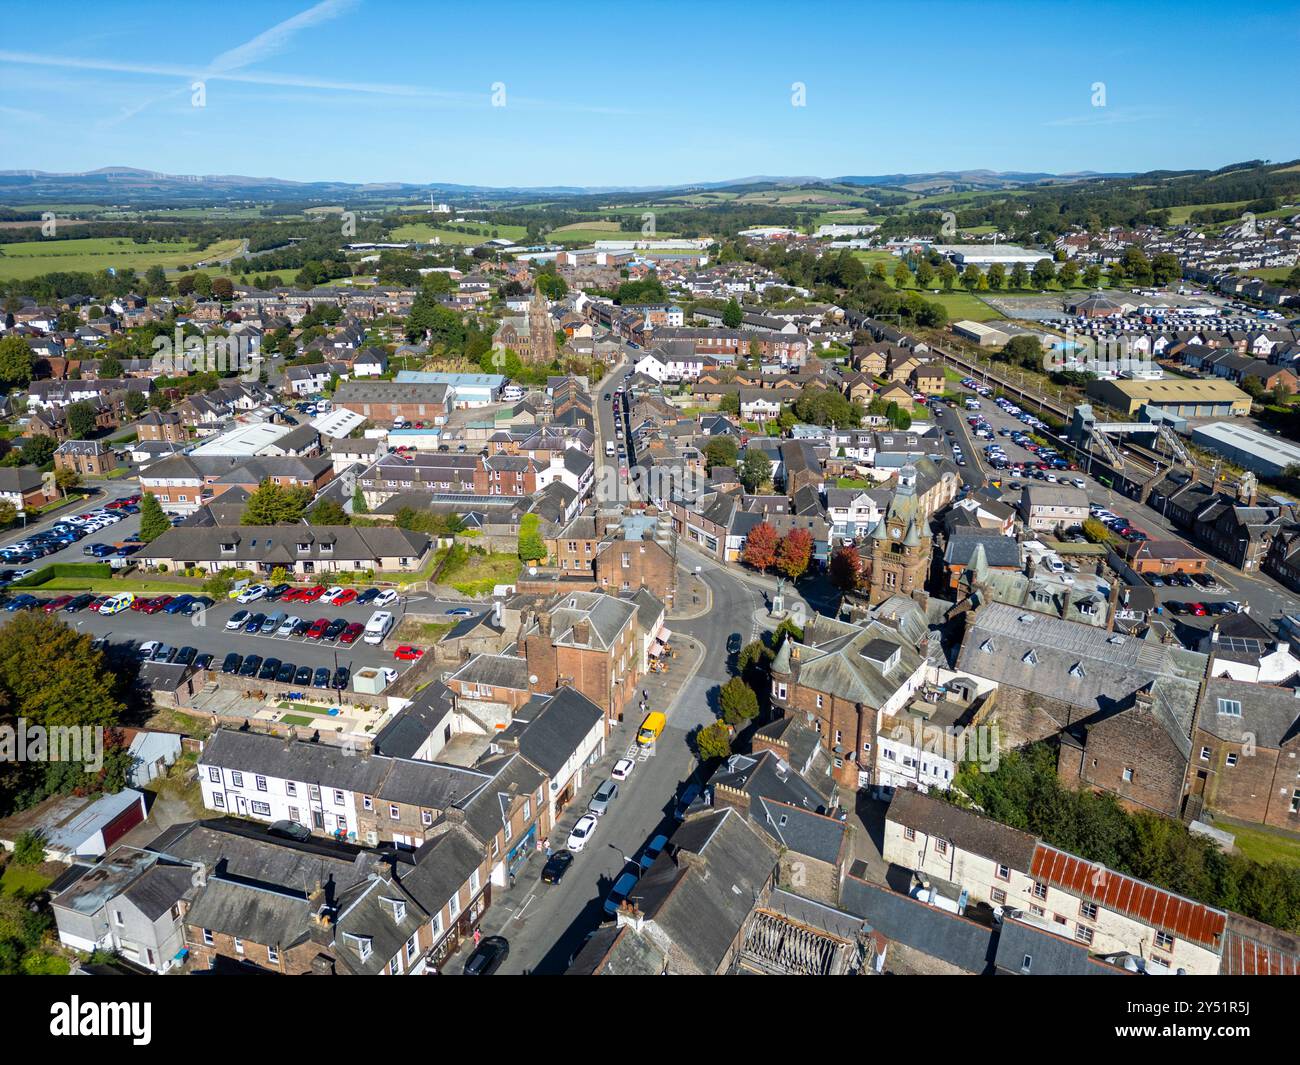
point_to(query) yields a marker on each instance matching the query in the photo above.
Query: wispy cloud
(1109, 116)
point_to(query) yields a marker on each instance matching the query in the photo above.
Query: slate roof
(935, 932)
(962, 828)
(414, 723)
(831, 660)
(1049, 954)
(550, 728)
(499, 671)
(1270, 716)
(257, 914)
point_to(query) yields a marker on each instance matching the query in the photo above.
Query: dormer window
(227, 549)
(396, 909)
(1076, 670)
(1030, 659)
(987, 647)
(304, 547)
(361, 944)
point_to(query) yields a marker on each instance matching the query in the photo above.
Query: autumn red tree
(760, 546)
(846, 569)
(795, 553)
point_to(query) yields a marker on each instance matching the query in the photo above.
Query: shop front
(461, 930)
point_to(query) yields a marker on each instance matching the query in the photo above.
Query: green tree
(947, 274)
(327, 512)
(110, 368)
(997, 276)
(970, 278)
(531, 545)
(38, 451)
(755, 469)
(52, 676)
(1044, 273)
(737, 701)
(359, 505)
(8, 513)
(29, 848)
(721, 451)
(1019, 276)
(16, 360)
(153, 522)
(67, 479)
(136, 403)
(732, 315)
(713, 742)
(902, 275)
(924, 274)
(81, 419)
(273, 504)
(1092, 276)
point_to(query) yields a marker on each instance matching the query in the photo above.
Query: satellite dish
(532, 679)
(532, 571)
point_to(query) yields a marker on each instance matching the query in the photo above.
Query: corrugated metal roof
(1191, 920)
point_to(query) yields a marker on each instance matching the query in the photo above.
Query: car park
(203, 661)
(368, 596)
(178, 604)
(270, 667)
(349, 635)
(271, 624)
(303, 676)
(288, 625)
(252, 593)
(186, 655)
(317, 630)
(254, 623)
(385, 598)
(335, 627)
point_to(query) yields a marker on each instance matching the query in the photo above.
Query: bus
(379, 626)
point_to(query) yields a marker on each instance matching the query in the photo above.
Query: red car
(156, 605)
(57, 604)
(350, 634)
(317, 629)
(346, 596)
(310, 595)
(1196, 608)
(407, 653)
(140, 602)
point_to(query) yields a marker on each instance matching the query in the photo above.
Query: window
(338, 797)
(1088, 910)
(1231, 760)
(239, 945)
(118, 919)
(412, 946)
(998, 896)
(1003, 872)
(294, 815)
(1205, 754)
(262, 809)
(819, 702)
(453, 904)
(367, 802)
(1083, 933)
(394, 811)
(1230, 707)
(214, 774)
(313, 792)
(1040, 890)
(290, 789)
(941, 845)
(1164, 941)
(1037, 911)
(218, 800)
(1027, 963)
(474, 881)
(1295, 801)
(237, 779)
(1128, 775)
(272, 956)
(426, 817)
(207, 937)
(909, 834)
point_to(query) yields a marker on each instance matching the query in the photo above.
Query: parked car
(272, 624)
(556, 866)
(582, 832)
(303, 676)
(350, 634)
(251, 665)
(178, 604)
(254, 623)
(273, 594)
(318, 628)
(407, 653)
(79, 602)
(321, 678)
(487, 956)
(146, 650)
(385, 598)
(345, 597)
(237, 620)
(619, 892)
(652, 851)
(331, 595)
(622, 769)
(368, 596)
(605, 794)
(335, 628)
(341, 677)
(689, 795)
(57, 604)
(288, 625)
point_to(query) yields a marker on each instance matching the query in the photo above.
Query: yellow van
(650, 728)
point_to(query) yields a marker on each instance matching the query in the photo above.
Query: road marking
(518, 915)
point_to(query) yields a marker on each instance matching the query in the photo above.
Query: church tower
(901, 545)
(541, 333)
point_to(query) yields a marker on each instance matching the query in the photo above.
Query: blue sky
(644, 94)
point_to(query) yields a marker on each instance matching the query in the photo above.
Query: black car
(341, 677)
(199, 602)
(186, 655)
(321, 678)
(79, 603)
(335, 627)
(303, 676)
(251, 665)
(487, 956)
(203, 661)
(556, 866)
(233, 662)
(301, 628)
(289, 830)
(366, 596)
(270, 667)
(285, 675)
(272, 594)
(734, 643)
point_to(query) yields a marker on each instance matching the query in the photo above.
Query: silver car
(605, 794)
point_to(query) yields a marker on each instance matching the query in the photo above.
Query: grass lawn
(478, 574)
(426, 232)
(111, 586)
(422, 633)
(23, 880)
(35, 257)
(851, 482)
(1262, 844)
(298, 719)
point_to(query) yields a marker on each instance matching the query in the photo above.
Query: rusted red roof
(1254, 949)
(1163, 909)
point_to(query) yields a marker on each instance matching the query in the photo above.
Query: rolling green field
(424, 231)
(35, 257)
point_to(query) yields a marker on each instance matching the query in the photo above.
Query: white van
(609, 448)
(379, 626)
